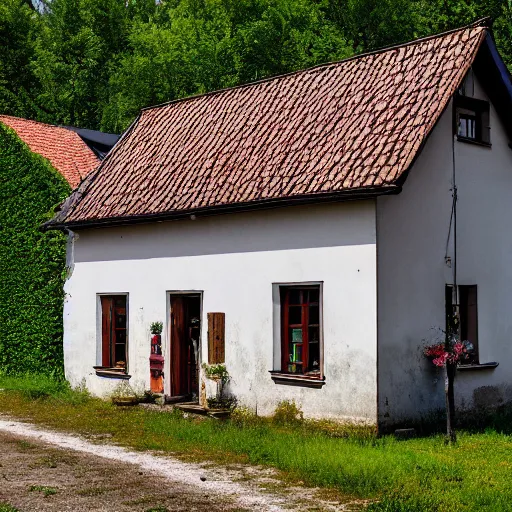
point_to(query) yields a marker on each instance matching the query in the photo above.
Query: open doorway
(185, 335)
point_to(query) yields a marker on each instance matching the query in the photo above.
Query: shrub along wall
(32, 263)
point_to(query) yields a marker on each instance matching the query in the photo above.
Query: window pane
(314, 295)
(314, 314)
(296, 335)
(296, 353)
(295, 315)
(120, 354)
(467, 126)
(314, 357)
(121, 321)
(120, 302)
(294, 296)
(294, 368)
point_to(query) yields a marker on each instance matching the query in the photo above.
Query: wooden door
(179, 353)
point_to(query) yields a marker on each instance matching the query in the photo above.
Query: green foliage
(287, 413)
(5, 507)
(156, 327)
(96, 63)
(47, 491)
(32, 263)
(192, 47)
(36, 386)
(216, 372)
(19, 29)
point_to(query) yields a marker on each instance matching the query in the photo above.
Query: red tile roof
(351, 126)
(65, 150)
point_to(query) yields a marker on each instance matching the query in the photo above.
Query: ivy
(32, 263)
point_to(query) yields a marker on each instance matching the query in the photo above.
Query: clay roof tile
(334, 128)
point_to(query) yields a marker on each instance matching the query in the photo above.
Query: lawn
(420, 474)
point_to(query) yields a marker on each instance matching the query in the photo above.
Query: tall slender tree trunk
(450, 402)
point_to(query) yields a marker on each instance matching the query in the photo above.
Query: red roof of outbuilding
(65, 150)
(350, 126)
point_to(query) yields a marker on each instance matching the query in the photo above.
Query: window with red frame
(114, 333)
(300, 330)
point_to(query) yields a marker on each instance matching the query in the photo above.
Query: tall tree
(194, 46)
(18, 31)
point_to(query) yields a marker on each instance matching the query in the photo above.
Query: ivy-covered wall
(32, 263)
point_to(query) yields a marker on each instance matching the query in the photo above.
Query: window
(301, 330)
(468, 317)
(472, 120)
(114, 332)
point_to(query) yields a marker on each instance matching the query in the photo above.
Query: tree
(193, 47)
(19, 29)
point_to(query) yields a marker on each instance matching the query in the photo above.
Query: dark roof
(65, 150)
(352, 127)
(100, 142)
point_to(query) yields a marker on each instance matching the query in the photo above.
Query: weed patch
(47, 491)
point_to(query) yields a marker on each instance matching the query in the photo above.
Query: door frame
(167, 340)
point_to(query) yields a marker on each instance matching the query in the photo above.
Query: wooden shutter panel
(216, 337)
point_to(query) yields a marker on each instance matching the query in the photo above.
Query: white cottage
(307, 230)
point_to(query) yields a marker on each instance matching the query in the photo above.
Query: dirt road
(37, 477)
(42, 470)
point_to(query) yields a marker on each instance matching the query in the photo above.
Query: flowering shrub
(458, 351)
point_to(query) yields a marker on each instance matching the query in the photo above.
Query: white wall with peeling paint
(413, 230)
(234, 260)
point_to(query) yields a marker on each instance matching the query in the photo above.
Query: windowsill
(482, 366)
(473, 141)
(290, 379)
(111, 373)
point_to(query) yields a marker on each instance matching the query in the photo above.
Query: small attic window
(472, 120)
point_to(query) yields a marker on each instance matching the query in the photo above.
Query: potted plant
(447, 354)
(219, 374)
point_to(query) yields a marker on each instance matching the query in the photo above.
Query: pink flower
(441, 360)
(458, 348)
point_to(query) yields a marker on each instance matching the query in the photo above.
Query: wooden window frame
(477, 110)
(106, 350)
(304, 325)
(467, 327)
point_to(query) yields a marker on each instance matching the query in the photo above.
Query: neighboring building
(315, 212)
(74, 155)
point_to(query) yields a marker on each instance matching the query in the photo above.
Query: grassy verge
(414, 475)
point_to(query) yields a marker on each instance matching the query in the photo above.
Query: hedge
(32, 263)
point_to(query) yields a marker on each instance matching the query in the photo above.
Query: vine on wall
(32, 263)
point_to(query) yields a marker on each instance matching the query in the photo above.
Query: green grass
(415, 475)
(47, 491)
(5, 507)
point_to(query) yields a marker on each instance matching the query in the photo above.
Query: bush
(287, 413)
(32, 263)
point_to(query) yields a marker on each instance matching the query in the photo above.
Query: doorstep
(195, 408)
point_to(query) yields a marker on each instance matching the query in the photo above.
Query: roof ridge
(50, 125)
(481, 22)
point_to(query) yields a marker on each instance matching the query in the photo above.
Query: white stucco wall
(234, 260)
(412, 236)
